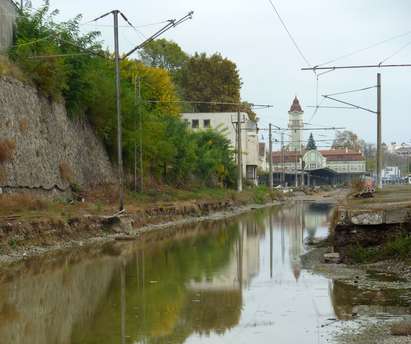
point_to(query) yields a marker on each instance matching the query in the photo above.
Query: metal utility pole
(170, 24)
(302, 168)
(239, 154)
(379, 134)
(137, 103)
(296, 170)
(141, 138)
(270, 161)
(282, 160)
(140, 114)
(118, 107)
(21, 4)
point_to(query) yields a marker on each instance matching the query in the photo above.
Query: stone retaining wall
(41, 148)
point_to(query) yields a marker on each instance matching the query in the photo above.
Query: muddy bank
(22, 239)
(369, 292)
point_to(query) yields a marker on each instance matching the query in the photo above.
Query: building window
(207, 123)
(251, 172)
(195, 123)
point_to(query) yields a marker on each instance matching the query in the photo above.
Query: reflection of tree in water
(158, 303)
(205, 313)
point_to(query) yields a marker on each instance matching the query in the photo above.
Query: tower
(296, 124)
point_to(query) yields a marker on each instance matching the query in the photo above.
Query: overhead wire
(289, 34)
(123, 26)
(132, 26)
(352, 91)
(396, 52)
(364, 49)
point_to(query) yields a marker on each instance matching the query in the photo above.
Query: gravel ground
(374, 285)
(372, 333)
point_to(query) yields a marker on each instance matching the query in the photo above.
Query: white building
(296, 124)
(391, 173)
(225, 123)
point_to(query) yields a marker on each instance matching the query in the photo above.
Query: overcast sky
(250, 34)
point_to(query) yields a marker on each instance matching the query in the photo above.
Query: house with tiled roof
(316, 166)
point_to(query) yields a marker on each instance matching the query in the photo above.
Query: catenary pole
(270, 161)
(118, 108)
(296, 170)
(379, 134)
(135, 129)
(141, 138)
(239, 154)
(282, 160)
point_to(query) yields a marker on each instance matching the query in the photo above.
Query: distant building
(8, 15)
(391, 174)
(225, 122)
(314, 166)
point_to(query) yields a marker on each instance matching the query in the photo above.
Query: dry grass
(7, 148)
(21, 202)
(401, 329)
(66, 172)
(7, 68)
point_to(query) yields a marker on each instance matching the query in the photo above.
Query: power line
(208, 103)
(132, 26)
(171, 24)
(364, 49)
(396, 52)
(123, 26)
(289, 34)
(352, 91)
(315, 68)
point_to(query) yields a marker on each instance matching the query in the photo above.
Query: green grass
(398, 248)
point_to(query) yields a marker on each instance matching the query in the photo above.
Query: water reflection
(231, 281)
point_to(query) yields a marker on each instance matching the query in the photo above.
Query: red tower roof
(296, 107)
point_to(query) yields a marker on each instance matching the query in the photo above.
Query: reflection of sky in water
(280, 301)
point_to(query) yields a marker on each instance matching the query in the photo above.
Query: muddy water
(231, 281)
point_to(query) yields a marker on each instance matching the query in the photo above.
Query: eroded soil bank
(22, 238)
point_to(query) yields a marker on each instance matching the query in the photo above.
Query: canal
(237, 280)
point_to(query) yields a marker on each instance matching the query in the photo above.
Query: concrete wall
(44, 141)
(8, 14)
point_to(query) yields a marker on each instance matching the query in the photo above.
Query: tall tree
(348, 139)
(211, 79)
(165, 54)
(311, 143)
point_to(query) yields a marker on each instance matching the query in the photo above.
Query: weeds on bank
(21, 202)
(398, 248)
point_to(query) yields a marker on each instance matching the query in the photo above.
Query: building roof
(330, 155)
(296, 107)
(289, 156)
(342, 155)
